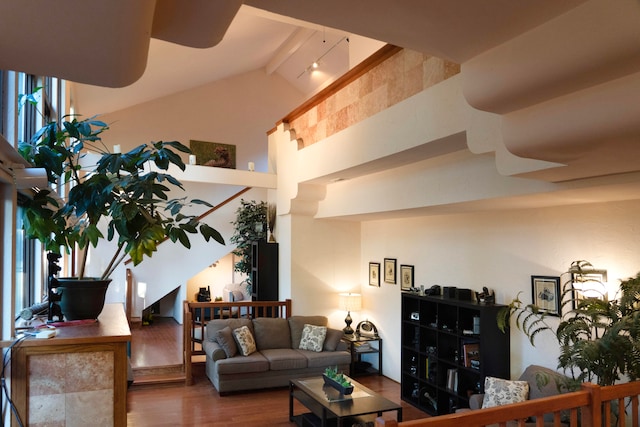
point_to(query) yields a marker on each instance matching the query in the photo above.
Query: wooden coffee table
(329, 408)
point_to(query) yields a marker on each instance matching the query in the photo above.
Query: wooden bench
(589, 407)
(197, 314)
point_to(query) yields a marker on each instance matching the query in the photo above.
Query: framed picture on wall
(545, 291)
(390, 270)
(406, 277)
(588, 284)
(374, 274)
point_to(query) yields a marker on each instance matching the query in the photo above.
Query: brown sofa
(278, 357)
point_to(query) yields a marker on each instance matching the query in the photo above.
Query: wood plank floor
(157, 344)
(174, 404)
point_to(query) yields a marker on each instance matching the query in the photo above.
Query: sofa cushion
(282, 359)
(245, 341)
(271, 333)
(313, 337)
(226, 341)
(544, 382)
(213, 326)
(255, 362)
(213, 350)
(296, 324)
(332, 339)
(498, 391)
(325, 358)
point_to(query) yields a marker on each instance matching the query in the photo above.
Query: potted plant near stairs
(120, 193)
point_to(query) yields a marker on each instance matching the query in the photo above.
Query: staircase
(173, 264)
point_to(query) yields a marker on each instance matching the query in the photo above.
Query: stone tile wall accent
(402, 75)
(71, 389)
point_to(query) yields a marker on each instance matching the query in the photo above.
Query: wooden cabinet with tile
(78, 377)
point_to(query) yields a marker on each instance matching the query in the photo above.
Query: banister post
(592, 414)
(187, 334)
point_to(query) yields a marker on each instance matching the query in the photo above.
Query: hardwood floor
(157, 344)
(175, 404)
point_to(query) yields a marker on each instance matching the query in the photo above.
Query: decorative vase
(335, 384)
(81, 298)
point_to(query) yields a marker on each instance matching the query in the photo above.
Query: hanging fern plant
(250, 226)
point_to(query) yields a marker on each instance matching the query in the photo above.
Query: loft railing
(592, 406)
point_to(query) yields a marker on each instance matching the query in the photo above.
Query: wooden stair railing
(210, 211)
(590, 407)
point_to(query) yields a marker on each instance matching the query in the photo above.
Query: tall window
(30, 285)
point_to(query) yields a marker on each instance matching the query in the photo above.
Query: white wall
(215, 277)
(500, 250)
(324, 256)
(238, 111)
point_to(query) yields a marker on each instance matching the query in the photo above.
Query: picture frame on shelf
(406, 277)
(471, 355)
(390, 271)
(545, 293)
(374, 274)
(214, 154)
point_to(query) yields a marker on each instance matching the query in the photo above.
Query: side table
(359, 345)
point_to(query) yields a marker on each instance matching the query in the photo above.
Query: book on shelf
(452, 380)
(362, 346)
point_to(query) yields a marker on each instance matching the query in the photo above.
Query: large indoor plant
(249, 227)
(599, 338)
(120, 193)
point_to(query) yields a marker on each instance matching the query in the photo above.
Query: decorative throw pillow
(312, 337)
(245, 341)
(499, 392)
(226, 341)
(332, 339)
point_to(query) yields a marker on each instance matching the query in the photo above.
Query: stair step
(158, 375)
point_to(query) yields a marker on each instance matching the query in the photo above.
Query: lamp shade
(350, 302)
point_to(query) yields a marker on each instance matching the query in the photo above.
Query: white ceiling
(533, 62)
(255, 40)
(286, 35)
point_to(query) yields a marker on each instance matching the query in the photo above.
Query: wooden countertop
(111, 326)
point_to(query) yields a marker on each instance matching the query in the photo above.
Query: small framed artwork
(588, 284)
(374, 274)
(406, 277)
(214, 154)
(390, 270)
(545, 291)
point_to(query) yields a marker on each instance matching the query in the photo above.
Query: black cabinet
(448, 347)
(264, 271)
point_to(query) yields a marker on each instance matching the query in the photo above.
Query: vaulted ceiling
(563, 76)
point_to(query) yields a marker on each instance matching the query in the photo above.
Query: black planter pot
(81, 298)
(335, 384)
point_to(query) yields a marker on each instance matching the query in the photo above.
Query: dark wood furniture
(444, 358)
(330, 408)
(79, 377)
(264, 271)
(358, 347)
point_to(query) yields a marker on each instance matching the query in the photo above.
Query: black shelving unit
(264, 271)
(448, 347)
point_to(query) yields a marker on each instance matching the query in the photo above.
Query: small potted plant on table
(337, 380)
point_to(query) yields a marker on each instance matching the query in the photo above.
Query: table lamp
(348, 302)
